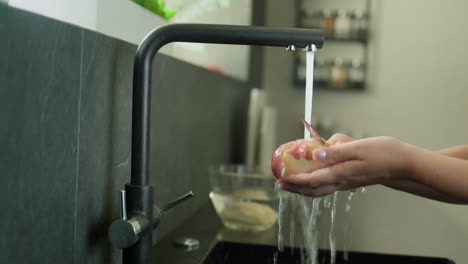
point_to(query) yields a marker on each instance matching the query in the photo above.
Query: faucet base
(140, 203)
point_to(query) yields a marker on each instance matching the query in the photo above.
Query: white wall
(418, 92)
(128, 21)
(233, 59)
(125, 20)
(81, 12)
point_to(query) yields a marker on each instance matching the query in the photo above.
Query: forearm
(421, 190)
(445, 175)
(460, 152)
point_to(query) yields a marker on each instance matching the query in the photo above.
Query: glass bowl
(244, 198)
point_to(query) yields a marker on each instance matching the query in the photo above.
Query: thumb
(335, 153)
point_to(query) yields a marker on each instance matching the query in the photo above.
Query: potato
(295, 157)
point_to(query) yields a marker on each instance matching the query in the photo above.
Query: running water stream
(303, 211)
(299, 214)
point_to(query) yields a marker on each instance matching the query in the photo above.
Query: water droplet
(327, 202)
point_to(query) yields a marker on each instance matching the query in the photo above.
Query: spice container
(359, 24)
(356, 73)
(338, 74)
(327, 23)
(342, 25)
(311, 19)
(321, 72)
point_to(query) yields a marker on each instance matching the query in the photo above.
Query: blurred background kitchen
(392, 67)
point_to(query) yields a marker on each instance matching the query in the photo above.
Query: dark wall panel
(39, 92)
(65, 137)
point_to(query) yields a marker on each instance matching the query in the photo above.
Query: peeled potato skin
(295, 157)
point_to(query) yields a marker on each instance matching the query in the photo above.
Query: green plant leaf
(158, 7)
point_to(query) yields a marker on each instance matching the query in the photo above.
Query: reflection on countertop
(236, 247)
(205, 227)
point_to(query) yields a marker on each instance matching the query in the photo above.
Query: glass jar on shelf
(327, 23)
(338, 74)
(342, 25)
(360, 24)
(310, 18)
(321, 72)
(356, 74)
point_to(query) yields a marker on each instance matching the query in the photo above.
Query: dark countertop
(207, 228)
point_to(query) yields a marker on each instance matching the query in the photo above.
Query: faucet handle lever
(159, 211)
(175, 202)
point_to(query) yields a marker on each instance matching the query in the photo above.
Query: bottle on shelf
(321, 72)
(338, 74)
(356, 74)
(342, 25)
(360, 24)
(310, 18)
(327, 23)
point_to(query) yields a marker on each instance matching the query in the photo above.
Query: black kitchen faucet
(134, 231)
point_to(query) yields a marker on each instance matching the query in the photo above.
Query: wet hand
(352, 164)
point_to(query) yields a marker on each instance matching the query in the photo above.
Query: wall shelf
(341, 65)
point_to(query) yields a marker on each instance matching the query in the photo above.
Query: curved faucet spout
(137, 232)
(199, 33)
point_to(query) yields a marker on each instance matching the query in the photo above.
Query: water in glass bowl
(244, 198)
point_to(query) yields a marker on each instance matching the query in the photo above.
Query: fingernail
(320, 154)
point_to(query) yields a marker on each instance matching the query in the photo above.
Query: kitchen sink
(240, 253)
(219, 245)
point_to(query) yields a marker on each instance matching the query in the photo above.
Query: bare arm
(440, 175)
(422, 190)
(460, 152)
(417, 188)
(445, 174)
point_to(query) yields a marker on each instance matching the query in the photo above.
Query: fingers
(312, 192)
(314, 179)
(342, 176)
(339, 138)
(339, 152)
(321, 191)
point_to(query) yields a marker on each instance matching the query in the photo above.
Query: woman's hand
(353, 163)
(439, 175)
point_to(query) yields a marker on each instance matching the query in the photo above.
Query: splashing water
(306, 210)
(281, 216)
(347, 230)
(327, 201)
(300, 214)
(331, 235)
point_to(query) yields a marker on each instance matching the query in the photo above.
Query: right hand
(352, 164)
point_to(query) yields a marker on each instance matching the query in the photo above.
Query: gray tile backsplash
(104, 140)
(194, 123)
(39, 85)
(65, 132)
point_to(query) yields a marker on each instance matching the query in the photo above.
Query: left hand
(352, 164)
